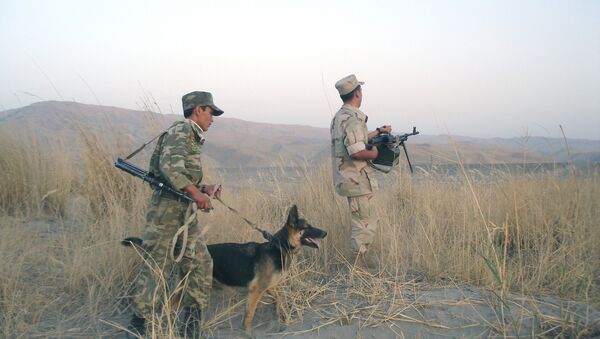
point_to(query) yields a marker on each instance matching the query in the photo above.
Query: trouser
(364, 221)
(163, 219)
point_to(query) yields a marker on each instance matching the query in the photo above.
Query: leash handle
(184, 229)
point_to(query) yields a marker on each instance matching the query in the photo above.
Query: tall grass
(60, 226)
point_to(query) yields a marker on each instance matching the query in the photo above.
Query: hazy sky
(477, 68)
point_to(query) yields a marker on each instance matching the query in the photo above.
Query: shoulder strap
(146, 144)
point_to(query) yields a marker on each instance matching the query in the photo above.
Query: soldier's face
(204, 117)
(359, 95)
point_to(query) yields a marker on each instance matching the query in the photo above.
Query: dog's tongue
(314, 241)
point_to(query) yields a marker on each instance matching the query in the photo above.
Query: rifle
(149, 178)
(388, 150)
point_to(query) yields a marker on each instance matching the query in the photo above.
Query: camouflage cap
(196, 98)
(348, 84)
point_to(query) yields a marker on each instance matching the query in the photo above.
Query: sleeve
(354, 136)
(172, 158)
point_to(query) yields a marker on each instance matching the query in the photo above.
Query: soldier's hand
(386, 129)
(213, 190)
(203, 202)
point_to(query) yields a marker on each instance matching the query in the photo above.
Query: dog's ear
(293, 217)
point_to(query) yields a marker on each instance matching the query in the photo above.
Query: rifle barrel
(144, 175)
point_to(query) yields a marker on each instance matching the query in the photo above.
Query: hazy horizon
(493, 69)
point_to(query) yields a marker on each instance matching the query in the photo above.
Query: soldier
(176, 160)
(352, 176)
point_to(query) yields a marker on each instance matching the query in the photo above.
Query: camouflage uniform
(176, 160)
(353, 178)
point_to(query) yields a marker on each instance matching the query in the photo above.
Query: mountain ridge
(234, 142)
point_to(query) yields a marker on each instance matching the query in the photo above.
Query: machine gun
(388, 147)
(149, 178)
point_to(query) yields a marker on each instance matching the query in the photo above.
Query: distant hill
(238, 143)
(231, 142)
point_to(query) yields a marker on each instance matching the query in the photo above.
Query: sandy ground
(420, 312)
(408, 310)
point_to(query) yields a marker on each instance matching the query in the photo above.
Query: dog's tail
(132, 241)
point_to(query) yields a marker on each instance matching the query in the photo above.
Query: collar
(197, 130)
(196, 127)
(280, 240)
(359, 114)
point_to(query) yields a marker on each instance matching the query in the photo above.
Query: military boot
(191, 323)
(137, 326)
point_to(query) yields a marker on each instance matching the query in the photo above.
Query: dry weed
(64, 273)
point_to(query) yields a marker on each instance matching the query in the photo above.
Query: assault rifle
(149, 178)
(388, 147)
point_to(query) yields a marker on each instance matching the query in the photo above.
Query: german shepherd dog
(258, 266)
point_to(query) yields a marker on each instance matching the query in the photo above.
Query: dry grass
(64, 273)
